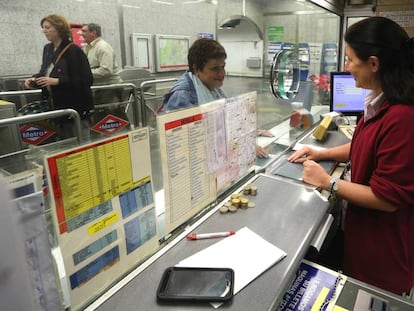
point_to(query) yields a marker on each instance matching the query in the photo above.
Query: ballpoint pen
(199, 236)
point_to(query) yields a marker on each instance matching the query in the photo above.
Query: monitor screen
(346, 98)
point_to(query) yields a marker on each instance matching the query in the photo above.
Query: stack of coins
(235, 202)
(233, 209)
(253, 190)
(244, 203)
(225, 208)
(246, 190)
(239, 200)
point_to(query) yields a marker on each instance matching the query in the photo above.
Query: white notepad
(247, 253)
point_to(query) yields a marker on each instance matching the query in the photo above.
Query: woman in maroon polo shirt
(379, 218)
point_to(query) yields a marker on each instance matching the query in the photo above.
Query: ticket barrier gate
(42, 116)
(116, 108)
(21, 98)
(152, 101)
(109, 117)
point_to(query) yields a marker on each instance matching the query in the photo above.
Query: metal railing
(137, 102)
(143, 99)
(22, 96)
(45, 116)
(126, 88)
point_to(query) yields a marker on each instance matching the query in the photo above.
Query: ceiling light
(162, 2)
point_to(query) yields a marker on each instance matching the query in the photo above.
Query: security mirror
(285, 74)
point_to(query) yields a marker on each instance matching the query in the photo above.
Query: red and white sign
(77, 37)
(34, 135)
(110, 125)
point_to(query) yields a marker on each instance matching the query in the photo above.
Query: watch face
(335, 185)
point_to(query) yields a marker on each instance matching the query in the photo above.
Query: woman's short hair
(202, 50)
(61, 25)
(381, 37)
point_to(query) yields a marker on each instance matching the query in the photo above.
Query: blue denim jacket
(181, 95)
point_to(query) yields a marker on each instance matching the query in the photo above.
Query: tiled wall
(22, 40)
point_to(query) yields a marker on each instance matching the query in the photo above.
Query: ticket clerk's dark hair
(389, 42)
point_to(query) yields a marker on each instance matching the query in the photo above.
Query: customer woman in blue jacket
(65, 76)
(204, 80)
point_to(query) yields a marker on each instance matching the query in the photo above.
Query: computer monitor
(346, 98)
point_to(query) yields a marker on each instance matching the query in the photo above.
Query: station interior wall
(23, 40)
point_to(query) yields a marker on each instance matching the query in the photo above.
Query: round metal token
(224, 210)
(232, 209)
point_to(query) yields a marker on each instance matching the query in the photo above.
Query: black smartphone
(196, 284)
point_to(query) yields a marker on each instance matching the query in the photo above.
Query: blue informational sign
(329, 61)
(312, 288)
(304, 58)
(205, 35)
(276, 47)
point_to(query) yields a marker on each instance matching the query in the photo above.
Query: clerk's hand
(304, 154)
(315, 175)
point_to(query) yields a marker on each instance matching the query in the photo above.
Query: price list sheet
(103, 210)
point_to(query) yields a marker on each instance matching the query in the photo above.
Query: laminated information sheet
(104, 211)
(204, 149)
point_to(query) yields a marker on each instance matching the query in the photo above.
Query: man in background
(101, 58)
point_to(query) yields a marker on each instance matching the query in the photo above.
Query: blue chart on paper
(311, 288)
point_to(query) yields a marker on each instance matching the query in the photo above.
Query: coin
(232, 209)
(224, 210)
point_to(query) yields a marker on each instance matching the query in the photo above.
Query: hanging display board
(171, 52)
(203, 150)
(103, 211)
(142, 51)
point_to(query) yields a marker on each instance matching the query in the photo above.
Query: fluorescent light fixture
(162, 2)
(199, 1)
(193, 1)
(131, 6)
(230, 24)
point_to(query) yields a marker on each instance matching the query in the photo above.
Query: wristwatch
(333, 185)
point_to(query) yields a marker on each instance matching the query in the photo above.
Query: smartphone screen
(196, 284)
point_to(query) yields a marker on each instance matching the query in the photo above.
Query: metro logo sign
(110, 125)
(34, 135)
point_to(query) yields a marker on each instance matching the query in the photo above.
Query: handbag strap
(62, 52)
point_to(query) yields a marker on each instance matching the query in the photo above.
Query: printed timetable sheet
(187, 182)
(203, 149)
(104, 210)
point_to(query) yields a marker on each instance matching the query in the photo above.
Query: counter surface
(287, 214)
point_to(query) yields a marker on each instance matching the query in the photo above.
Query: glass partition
(252, 32)
(259, 30)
